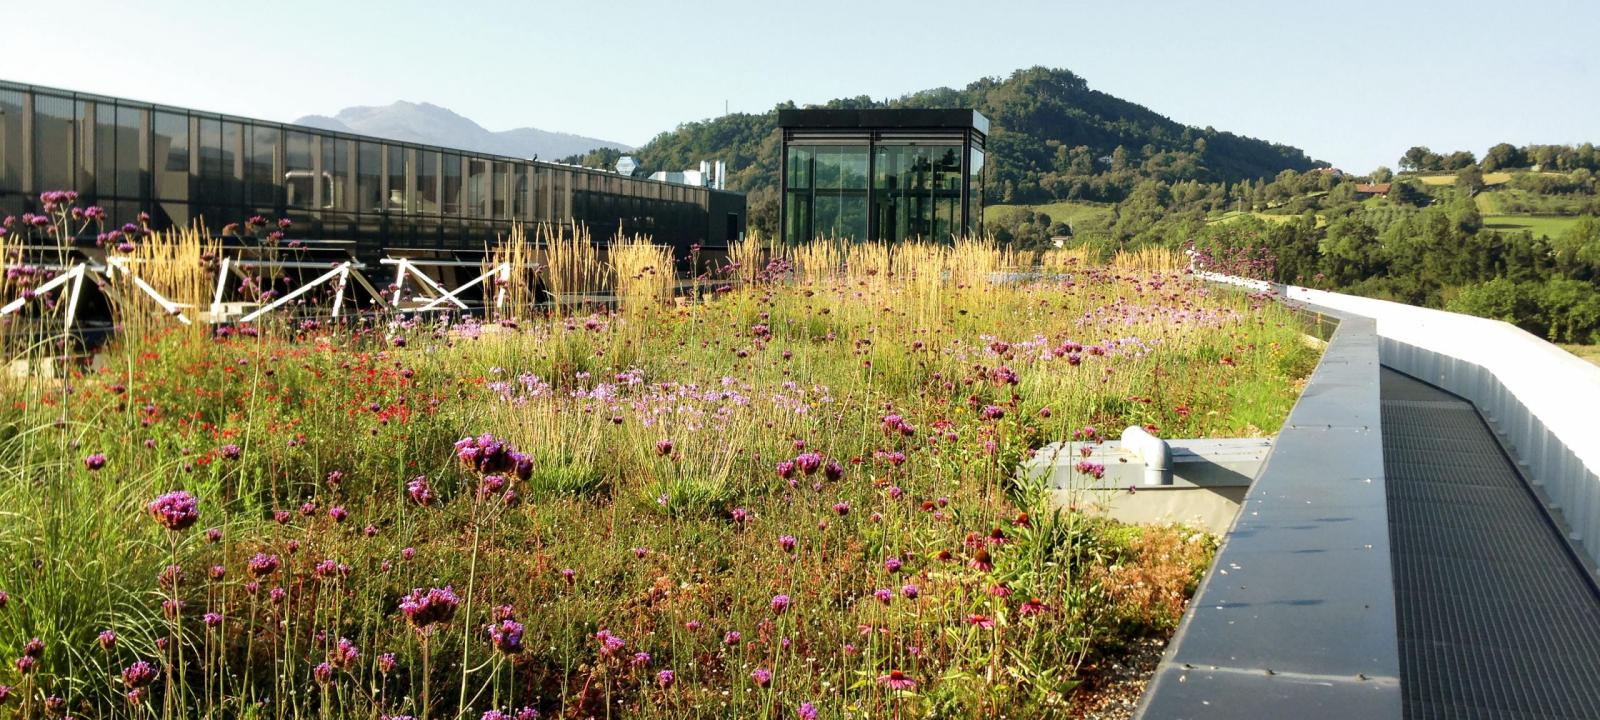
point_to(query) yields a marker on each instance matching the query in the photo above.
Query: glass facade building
(882, 175)
(371, 194)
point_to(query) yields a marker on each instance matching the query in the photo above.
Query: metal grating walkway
(1496, 617)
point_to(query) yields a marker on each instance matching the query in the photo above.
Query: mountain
(1051, 138)
(434, 125)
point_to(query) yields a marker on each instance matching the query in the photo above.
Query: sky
(1354, 84)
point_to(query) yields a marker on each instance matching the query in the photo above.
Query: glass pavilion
(883, 175)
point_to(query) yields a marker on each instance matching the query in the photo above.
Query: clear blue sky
(1352, 83)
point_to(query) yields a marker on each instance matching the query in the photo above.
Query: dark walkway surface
(1496, 617)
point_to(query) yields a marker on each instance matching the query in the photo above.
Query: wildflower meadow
(789, 492)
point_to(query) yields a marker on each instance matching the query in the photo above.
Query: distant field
(1233, 215)
(1068, 212)
(1492, 178)
(1548, 225)
(1587, 352)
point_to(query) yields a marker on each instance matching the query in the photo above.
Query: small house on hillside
(1366, 190)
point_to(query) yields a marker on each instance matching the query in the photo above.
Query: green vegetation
(1032, 227)
(1495, 239)
(800, 489)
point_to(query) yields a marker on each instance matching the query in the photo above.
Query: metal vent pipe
(1154, 452)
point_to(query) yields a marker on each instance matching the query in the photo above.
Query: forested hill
(1052, 138)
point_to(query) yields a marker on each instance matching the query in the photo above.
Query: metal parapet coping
(1540, 400)
(1297, 614)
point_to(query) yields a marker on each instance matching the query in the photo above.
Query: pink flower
(780, 604)
(980, 621)
(762, 677)
(808, 462)
(897, 680)
(787, 543)
(609, 644)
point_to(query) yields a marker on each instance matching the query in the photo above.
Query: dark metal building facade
(883, 175)
(378, 196)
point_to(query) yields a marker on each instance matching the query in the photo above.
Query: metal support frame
(340, 271)
(438, 295)
(73, 275)
(174, 309)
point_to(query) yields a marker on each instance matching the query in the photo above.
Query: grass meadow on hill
(793, 498)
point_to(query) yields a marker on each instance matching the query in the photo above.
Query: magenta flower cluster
(428, 607)
(488, 455)
(175, 510)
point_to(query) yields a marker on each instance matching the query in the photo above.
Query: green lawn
(1071, 213)
(1547, 225)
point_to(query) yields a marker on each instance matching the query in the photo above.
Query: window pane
(130, 171)
(975, 193)
(336, 173)
(800, 166)
(479, 188)
(230, 168)
(797, 217)
(208, 188)
(369, 178)
(397, 200)
(260, 171)
(519, 191)
(501, 188)
(450, 185)
(298, 182)
(542, 196)
(54, 142)
(428, 182)
(10, 141)
(172, 156)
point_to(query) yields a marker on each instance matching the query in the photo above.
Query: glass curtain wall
(182, 166)
(917, 192)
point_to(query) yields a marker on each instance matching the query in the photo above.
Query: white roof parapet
(1542, 400)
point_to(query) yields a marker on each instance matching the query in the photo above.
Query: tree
(1351, 252)
(1383, 174)
(1457, 160)
(1503, 155)
(1405, 192)
(1497, 299)
(1418, 158)
(1119, 159)
(1469, 179)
